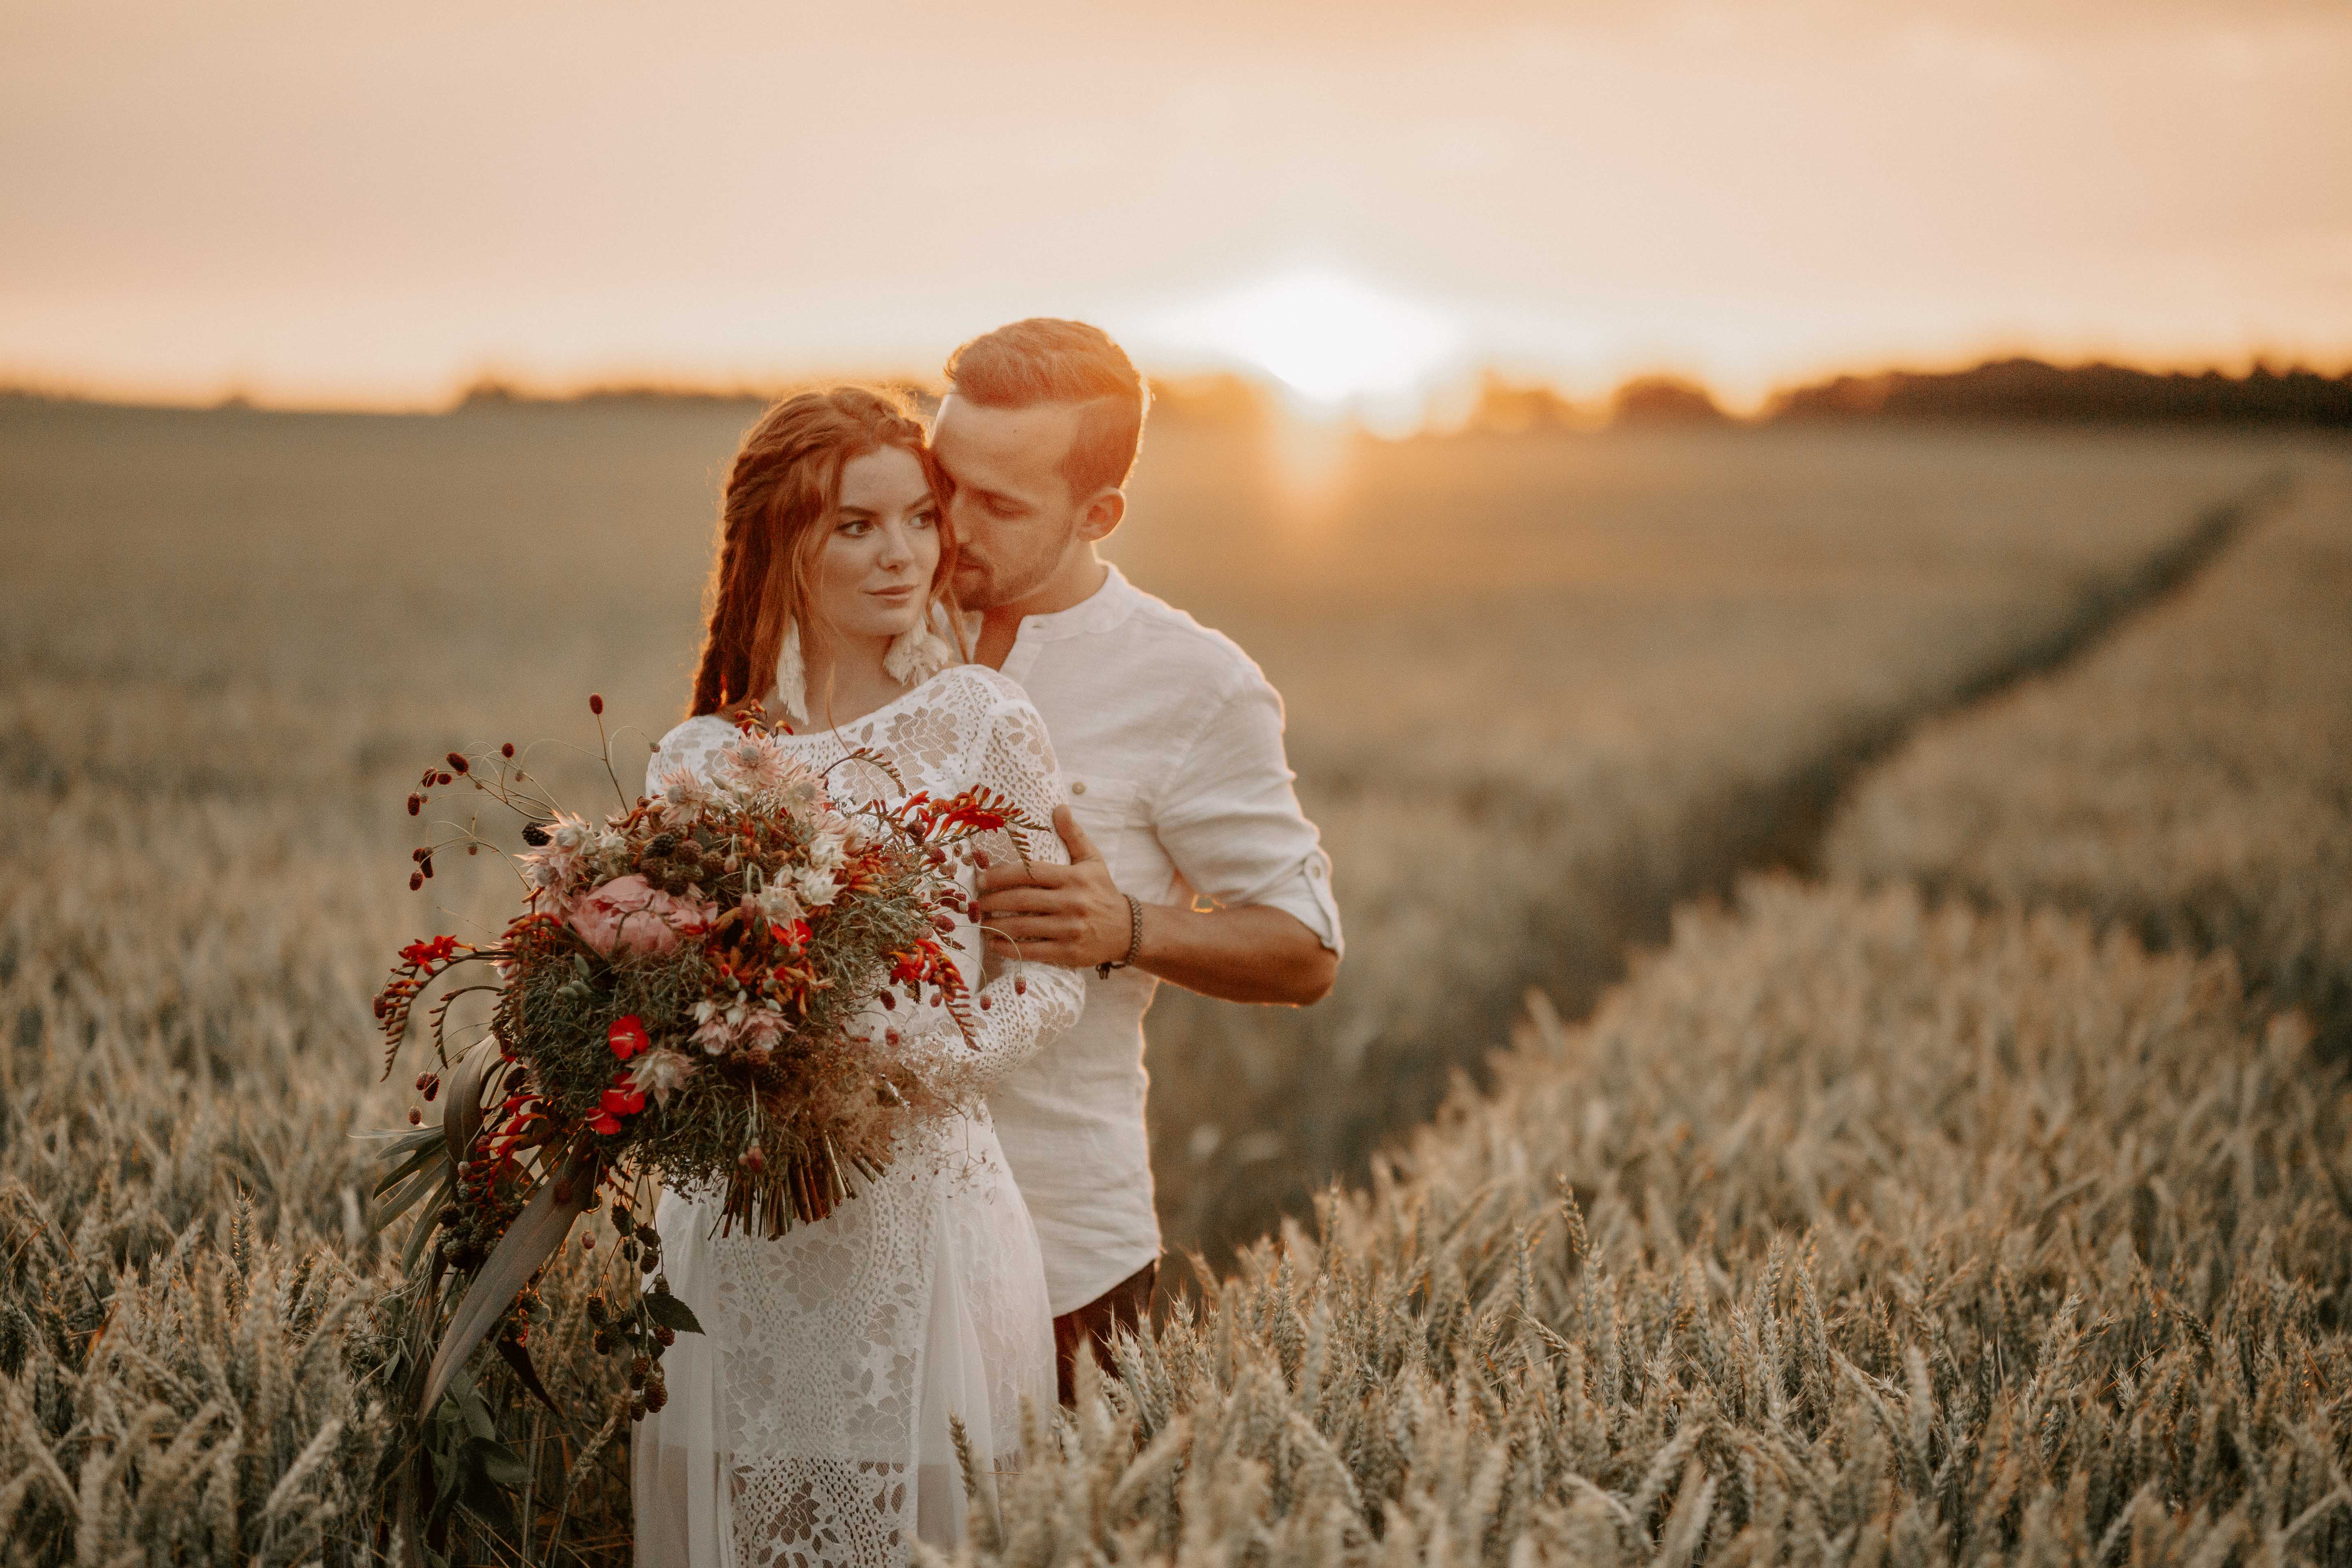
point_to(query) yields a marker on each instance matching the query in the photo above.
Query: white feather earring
(791, 677)
(918, 653)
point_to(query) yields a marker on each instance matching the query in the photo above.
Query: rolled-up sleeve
(1230, 821)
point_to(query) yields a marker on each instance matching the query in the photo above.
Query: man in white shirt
(1169, 741)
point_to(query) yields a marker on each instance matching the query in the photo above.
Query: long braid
(716, 684)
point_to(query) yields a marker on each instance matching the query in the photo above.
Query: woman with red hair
(810, 1423)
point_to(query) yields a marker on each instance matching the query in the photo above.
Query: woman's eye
(857, 528)
(924, 519)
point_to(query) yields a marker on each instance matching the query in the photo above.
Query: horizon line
(491, 386)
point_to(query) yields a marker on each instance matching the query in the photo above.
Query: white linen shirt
(1169, 741)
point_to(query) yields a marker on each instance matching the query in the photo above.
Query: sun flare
(1332, 340)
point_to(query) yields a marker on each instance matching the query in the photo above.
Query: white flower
(660, 1073)
(716, 1034)
(815, 888)
(683, 795)
(776, 902)
(828, 844)
(796, 793)
(562, 860)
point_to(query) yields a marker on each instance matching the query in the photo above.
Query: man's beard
(974, 586)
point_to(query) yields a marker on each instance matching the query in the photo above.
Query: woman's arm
(1024, 1003)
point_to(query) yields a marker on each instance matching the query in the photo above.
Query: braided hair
(786, 484)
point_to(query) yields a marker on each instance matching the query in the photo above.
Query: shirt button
(1078, 787)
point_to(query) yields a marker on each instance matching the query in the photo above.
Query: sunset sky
(322, 203)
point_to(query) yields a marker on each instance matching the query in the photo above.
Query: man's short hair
(1043, 360)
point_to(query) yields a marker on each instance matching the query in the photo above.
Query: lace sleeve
(1023, 1005)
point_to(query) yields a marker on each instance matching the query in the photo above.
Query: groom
(1169, 741)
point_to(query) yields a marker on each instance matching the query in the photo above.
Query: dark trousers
(1124, 1306)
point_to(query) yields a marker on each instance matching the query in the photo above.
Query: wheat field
(2191, 783)
(1617, 671)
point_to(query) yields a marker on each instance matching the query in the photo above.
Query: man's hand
(1072, 915)
(1075, 916)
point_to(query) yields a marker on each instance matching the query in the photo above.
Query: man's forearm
(1250, 954)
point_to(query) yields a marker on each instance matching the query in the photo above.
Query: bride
(808, 1425)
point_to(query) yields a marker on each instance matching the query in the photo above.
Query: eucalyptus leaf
(423, 1230)
(533, 1236)
(463, 1114)
(415, 1161)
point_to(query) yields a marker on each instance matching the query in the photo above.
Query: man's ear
(1102, 514)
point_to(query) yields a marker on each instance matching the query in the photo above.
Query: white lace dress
(808, 1427)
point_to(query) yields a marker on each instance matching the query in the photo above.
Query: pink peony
(629, 915)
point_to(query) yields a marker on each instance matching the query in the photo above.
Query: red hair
(785, 485)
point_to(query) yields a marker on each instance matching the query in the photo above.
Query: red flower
(440, 950)
(627, 1037)
(622, 1102)
(601, 1123)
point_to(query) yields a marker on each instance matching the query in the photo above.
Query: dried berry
(459, 764)
(664, 1335)
(535, 835)
(506, 749)
(596, 703)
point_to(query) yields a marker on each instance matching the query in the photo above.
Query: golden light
(1336, 344)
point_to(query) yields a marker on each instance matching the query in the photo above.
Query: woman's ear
(1103, 513)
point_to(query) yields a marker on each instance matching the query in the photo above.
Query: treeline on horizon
(2017, 390)
(2007, 391)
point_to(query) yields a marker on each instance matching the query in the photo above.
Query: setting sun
(1329, 339)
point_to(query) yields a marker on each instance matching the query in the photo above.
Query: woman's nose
(897, 548)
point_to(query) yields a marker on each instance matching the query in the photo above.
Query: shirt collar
(1097, 612)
